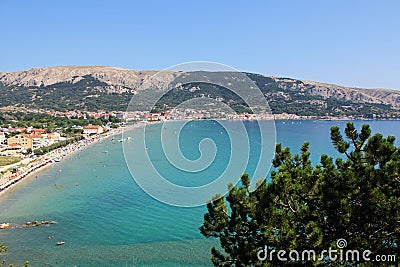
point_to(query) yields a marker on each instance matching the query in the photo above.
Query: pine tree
(355, 197)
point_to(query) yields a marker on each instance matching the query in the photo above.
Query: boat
(59, 243)
(105, 151)
(4, 225)
(57, 160)
(121, 140)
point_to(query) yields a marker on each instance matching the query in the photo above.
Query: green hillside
(283, 95)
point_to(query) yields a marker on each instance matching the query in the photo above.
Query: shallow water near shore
(107, 220)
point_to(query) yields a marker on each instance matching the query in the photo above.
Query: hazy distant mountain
(97, 87)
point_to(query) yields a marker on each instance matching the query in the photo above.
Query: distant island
(95, 88)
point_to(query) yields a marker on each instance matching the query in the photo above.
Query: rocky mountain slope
(94, 87)
(116, 79)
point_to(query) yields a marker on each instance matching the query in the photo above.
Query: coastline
(48, 159)
(8, 181)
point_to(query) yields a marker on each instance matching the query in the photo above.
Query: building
(38, 140)
(13, 150)
(2, 138)
(38, 131)
(22, 140)
(54, 136)
(92, 129)
(156, 116)
(32, 141)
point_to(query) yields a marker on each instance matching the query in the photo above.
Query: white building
(2, 138)
(92, 129)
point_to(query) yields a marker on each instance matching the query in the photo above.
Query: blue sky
(352, 43)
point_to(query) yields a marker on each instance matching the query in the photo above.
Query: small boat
(105, 151)
(59, 243)
(4, 225)
(121, 140)
(57, 160)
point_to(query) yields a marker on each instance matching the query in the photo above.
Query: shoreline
(48, 159)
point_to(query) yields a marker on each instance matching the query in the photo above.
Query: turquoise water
(107, 220)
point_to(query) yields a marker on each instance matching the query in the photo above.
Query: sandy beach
(32, 166)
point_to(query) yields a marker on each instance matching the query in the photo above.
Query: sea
(107, 217)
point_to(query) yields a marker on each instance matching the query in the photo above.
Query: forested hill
(94, 88)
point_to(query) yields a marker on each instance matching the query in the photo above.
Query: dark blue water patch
(293, 133)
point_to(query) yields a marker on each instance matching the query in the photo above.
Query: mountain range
(98, 87)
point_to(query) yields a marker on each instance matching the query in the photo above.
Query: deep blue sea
(106, 219)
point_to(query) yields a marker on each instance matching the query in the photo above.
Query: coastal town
(19, 145)
(25, 141)
(24, 150)
(27, 148)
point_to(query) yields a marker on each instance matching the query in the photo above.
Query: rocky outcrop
(356, 95)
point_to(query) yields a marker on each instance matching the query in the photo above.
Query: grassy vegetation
(50, 123)
(65, 96)
(4, 160)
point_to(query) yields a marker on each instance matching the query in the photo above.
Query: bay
(106, 219)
